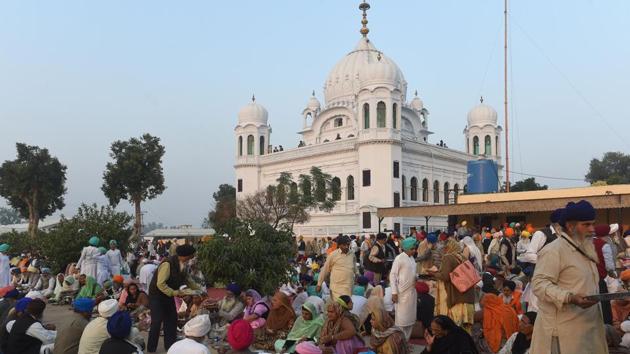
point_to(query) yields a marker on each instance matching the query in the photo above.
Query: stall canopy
(602, 197)
(180, 233)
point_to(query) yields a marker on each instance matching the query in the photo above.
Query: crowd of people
(511, 288)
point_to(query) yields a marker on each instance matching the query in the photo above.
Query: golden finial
(313, 93)
(416, 93)
(253, 98)
(379, 56)
(364, 7)
(481, 99)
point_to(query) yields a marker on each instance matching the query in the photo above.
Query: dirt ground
(58, 315)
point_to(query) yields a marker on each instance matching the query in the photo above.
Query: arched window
(250, 145)
(335, 185)
(338, 122)
(308, 118)
(446, 192)
(350, 187)
(306, 187)
(366, 116)
(465, 188)
(456, 191)
(262, 145)
(468, 145)
(476, 145)
(404, 187)
(496, 145)
(425, 190)
(414, 188)
(488, 145)
(240, 146)
(436, 192)
(394, 117)
(380, 115)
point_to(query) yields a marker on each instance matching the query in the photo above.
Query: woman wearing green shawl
(306, 327)
(90, 287)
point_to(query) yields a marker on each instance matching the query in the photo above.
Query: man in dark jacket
(169, 278)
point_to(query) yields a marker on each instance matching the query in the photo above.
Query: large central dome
(363, 66)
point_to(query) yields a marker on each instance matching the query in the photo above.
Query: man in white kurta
(89, 255)
(566, 272)
(5, 266)
(103, 267)
(403, 283)
(115, 258)
(341, 267)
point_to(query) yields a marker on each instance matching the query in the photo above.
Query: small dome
(482, 114)
(347, 76)
(313, 103)
(417, 103)
(253, 113)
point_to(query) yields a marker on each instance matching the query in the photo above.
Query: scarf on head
(384, 330)
(498, 319)
(282, 317)
(452, 247)
(307, 329)
(256, 299)
(90, 289)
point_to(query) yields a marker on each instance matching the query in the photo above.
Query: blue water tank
(483, 177)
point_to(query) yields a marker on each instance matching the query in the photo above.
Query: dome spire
(481, 99)
(364, 7)
(253, 98)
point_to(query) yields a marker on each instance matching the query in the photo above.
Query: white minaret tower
(252, 135)
(483, 133)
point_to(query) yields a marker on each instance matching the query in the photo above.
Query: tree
(527, 184)
(33, 184)
(263, 255)
(63, 244)
(285, 203)
(613, 168)
(224, 208)
(135, 175)
(9, 216)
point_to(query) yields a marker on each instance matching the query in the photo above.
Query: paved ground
(58, 315)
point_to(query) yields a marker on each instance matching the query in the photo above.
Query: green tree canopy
(63, 244)
(9, 216)
(527, 184)
(263, 255)
(613, 168)
(286, 203)
(33, 184)
(135, 174)
(224, 208)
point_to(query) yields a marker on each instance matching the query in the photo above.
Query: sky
(77, 75)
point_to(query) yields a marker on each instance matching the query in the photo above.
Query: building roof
(602, 197)
(180, 232)
(43, 225)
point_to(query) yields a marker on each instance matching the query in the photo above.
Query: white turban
(34, 294)
(107, 308)
(613, 228)
(198, 326)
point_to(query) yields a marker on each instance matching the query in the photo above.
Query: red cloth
(422, 287)
(240, 335)
(601, 265)
(602, 230)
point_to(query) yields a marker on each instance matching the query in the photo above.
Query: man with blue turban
(68, 337)
(87, 263)
(566, 273)
(402, 279)
(5, 266)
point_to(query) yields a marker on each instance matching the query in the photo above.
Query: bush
(254, 255)
(19, 242)
(63, 244)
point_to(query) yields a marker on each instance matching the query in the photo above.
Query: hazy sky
(77, 75)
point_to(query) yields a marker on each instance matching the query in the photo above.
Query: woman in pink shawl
(256, 310)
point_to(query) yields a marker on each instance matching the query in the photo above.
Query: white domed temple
(372, 139)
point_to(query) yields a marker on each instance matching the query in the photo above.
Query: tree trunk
(137, 227)
(33, 220)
